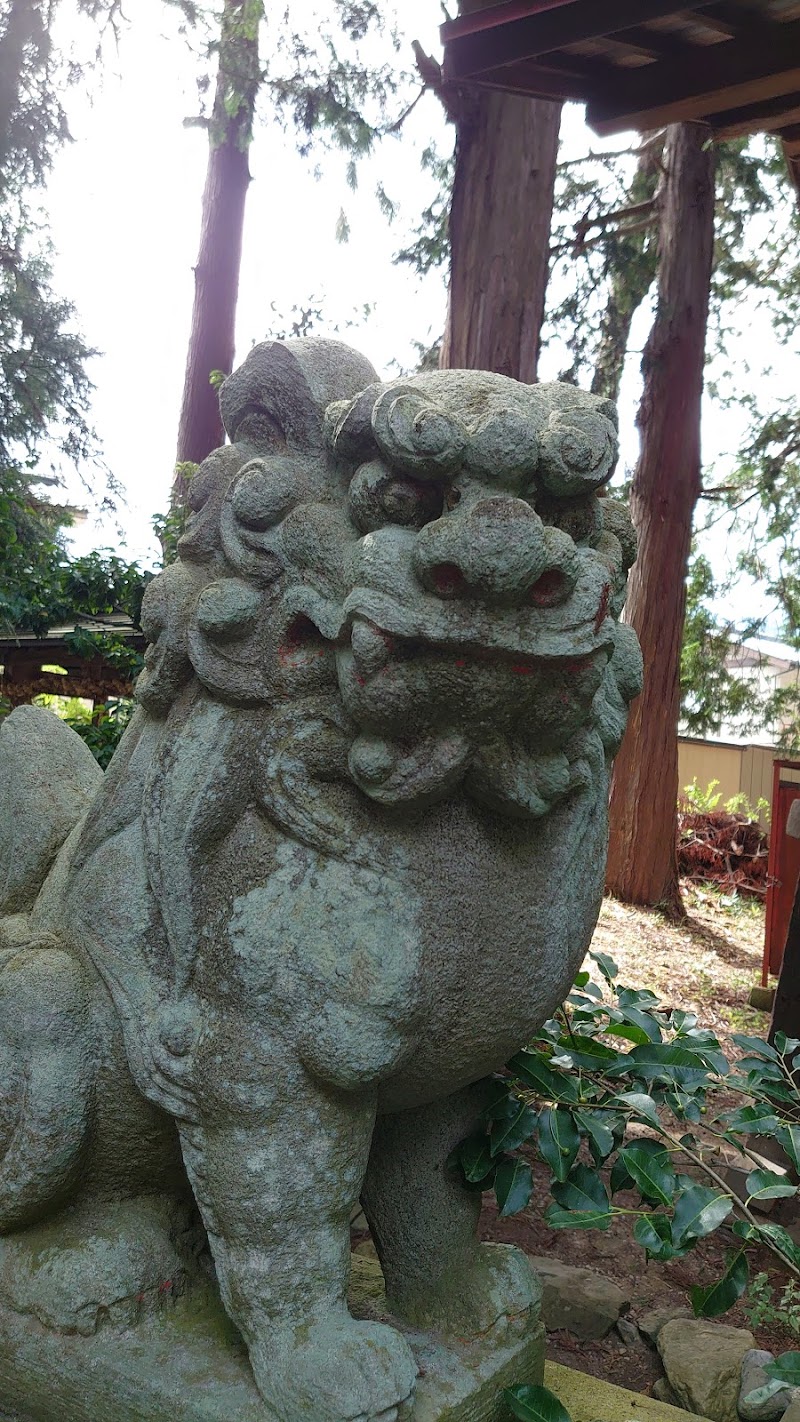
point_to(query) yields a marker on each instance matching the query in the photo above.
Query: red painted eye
(552, 587)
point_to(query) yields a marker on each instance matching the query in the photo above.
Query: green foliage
(615, 1058)
(767, 1307)
(535, 1404)
(103, 731)
(698, 801)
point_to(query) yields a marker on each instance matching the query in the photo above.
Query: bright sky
(124, 202)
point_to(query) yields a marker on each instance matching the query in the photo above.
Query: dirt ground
(708, 963)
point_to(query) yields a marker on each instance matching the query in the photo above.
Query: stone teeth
(371, 647)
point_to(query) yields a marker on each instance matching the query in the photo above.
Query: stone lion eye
(411, 504)
(379, 496)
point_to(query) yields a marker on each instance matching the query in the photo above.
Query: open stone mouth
(374, 648)
(400, 637)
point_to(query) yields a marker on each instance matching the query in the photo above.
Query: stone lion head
(435, 555)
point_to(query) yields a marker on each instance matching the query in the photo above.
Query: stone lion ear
(578, 452)
(348, 427)
(417, 436)
(278, 396)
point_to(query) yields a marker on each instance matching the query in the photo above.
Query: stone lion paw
(495, 1288)
(341, 1371)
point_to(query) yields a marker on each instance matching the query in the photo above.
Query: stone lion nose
(499, 552)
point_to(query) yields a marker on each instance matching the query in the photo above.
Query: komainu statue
(345, 860)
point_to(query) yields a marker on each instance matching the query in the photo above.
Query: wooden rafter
(506, 40)
(733, 64)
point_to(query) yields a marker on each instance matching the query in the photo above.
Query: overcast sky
(124, 202)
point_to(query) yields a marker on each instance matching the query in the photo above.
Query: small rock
(792, 1413)
(627, 1331)
(585, 1303)
(651, 1323)
(703, 1362)
(662, 1392)
(753, 1376)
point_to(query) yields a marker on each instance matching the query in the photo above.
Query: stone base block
(189, 1365)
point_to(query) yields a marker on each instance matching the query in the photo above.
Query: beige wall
(745, 770)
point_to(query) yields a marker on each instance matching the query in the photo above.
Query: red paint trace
(602, 611)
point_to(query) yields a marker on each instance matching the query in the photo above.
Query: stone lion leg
(276, 1164)
(424, 1222)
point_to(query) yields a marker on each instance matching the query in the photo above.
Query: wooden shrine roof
(24, 654)
(733, 64)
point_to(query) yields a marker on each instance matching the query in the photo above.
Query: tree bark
(216, 276)
(642, 863)
(506, 148)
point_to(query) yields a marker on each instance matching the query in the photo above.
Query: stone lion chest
(347, 857)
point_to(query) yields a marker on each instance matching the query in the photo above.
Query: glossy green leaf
(642, 1105)
(576, 1219)
(533, 1070)
(789, 1138)
(682, 1021)
(637, 997)
(651, 1167)
(643, 1022)
(752, 1121)
(780, 1239)
(698, 1212)
(509, 1133)
(785, 1369)
(513, 1185)
(654, 1233)
(755, 1045)
(766, 1185)
(588, 1053)
(601, 1138)
(719, 1297)
(786, 1046)
(475, 1158)
(606, 965)
(665, 1062)
(535, 1404)
(620, 1179)
(582, 1190)
(558, 1140)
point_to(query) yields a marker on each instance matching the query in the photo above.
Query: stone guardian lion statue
(345, 860)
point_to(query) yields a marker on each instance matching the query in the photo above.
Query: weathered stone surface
(585, 1303)
(628, 1332)
(662, 1392)
(318, 897)
(753, 1378)
(590, 1399)
(703, 1362)
(188, 1364)
(651, 1322)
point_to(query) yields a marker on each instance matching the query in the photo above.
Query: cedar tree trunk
(216, 276)
(642, 861)
(502, 204)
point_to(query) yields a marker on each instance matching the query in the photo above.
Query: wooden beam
(534, 81)
(507, 41)
(767, 115)
(488, 16)
(711, 80)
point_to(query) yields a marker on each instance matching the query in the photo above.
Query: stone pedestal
(188, 1364)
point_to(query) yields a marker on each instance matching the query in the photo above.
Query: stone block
(189, 1364)
(585, 1303)
(703, 1362)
